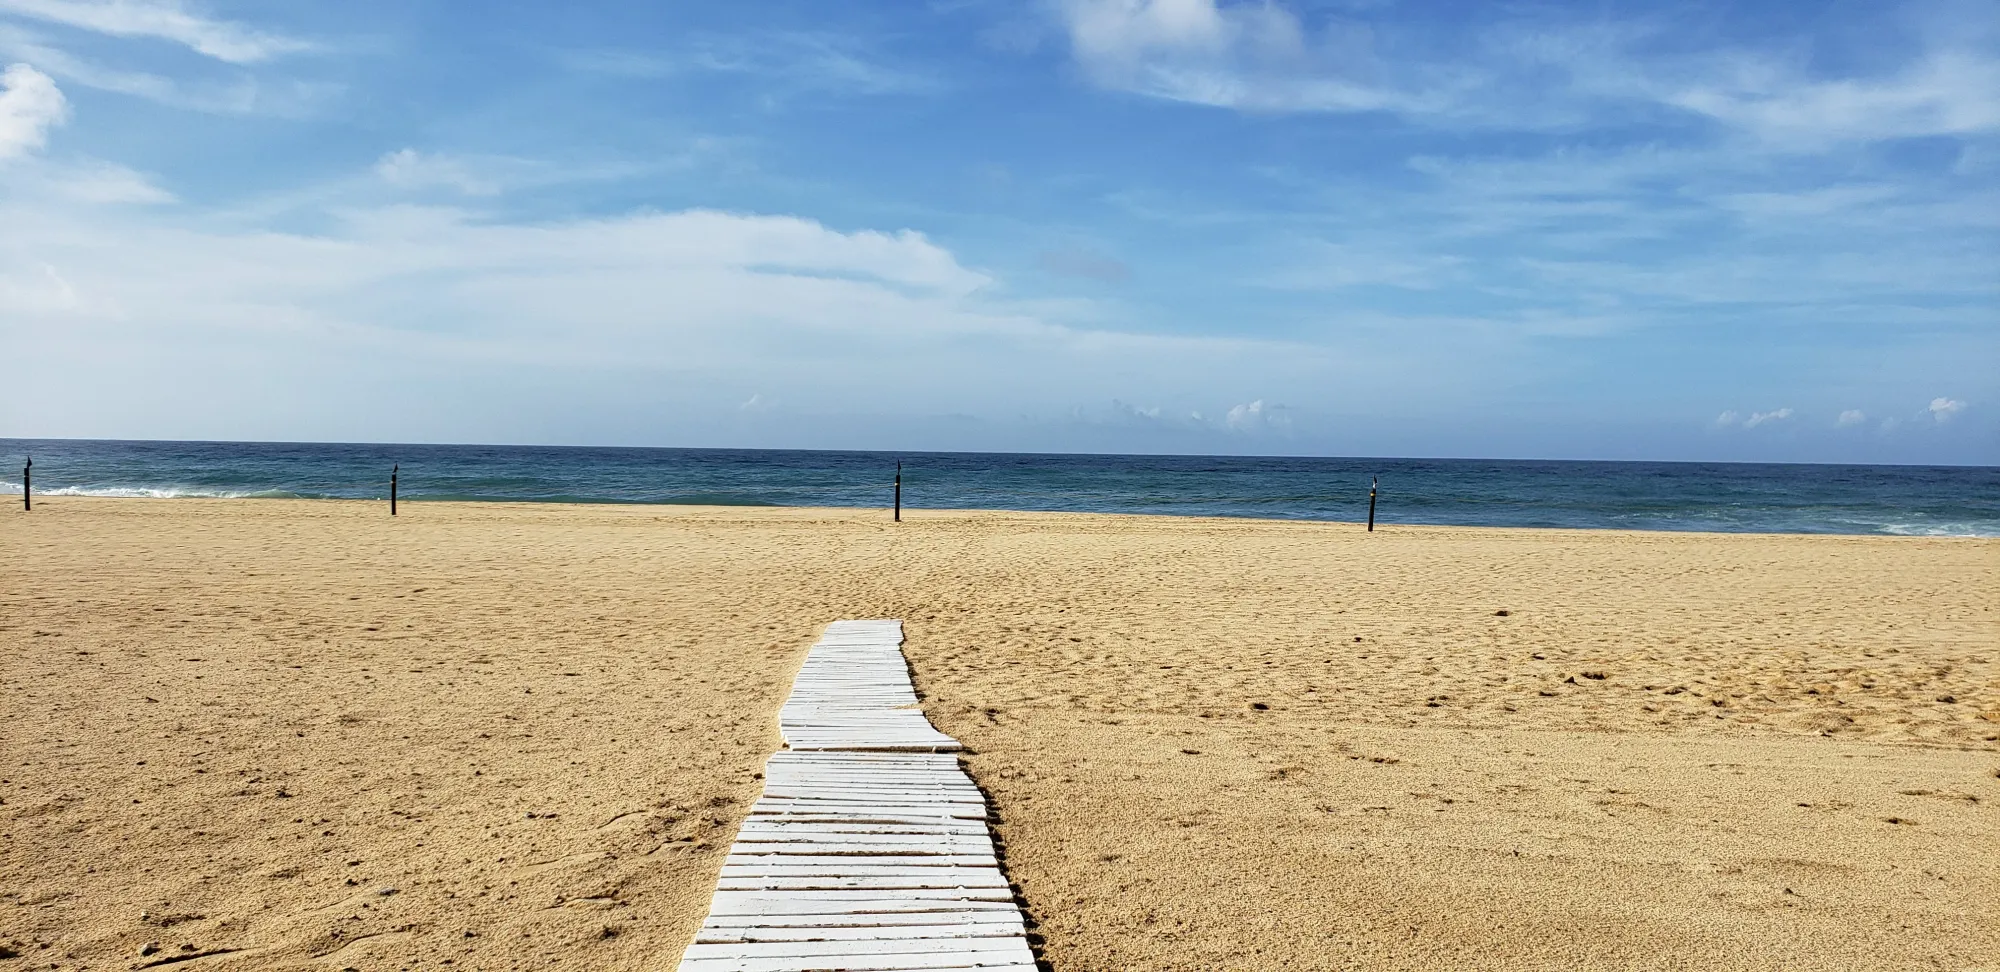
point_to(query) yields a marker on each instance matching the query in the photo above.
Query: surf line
(869, 849)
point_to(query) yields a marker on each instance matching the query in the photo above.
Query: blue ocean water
(1727, 497)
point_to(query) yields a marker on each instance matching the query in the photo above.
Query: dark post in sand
(393, 470)
(899, 492)
(1372, 483)
(27, 488)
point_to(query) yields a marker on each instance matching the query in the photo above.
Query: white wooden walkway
(868, 850)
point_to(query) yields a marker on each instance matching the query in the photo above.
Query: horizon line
(994, 452)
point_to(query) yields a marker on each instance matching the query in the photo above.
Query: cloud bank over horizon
(1115, 225)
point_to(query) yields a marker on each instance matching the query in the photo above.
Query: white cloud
(485, 330)
(1523, 73)
(1128, 410)
(818, 60)
(30, 104)
(492, 175)
(1248, 418)
(1852, 416)
(1757, 419)
(167, 20)
(410, 169)
(238, 94)
(1946, 92)
(1253, 56)
(651, 266)
(85, 181)
(1256, 417)
(104, 182)
(791, 62)
(1942, 409)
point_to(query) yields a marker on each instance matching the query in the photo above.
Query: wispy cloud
(411, 169)
(798, 61)
(1754, 419)
(91, 182)
(1323, 265)
(1642, 237)
(492, 179)
(1942, 409)
(1945, 92)
(237, 94)
(167, 20)
(1850, 417)
(1253, 56)
(1524, 73)
(30, 104)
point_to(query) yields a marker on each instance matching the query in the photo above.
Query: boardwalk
(868, 850)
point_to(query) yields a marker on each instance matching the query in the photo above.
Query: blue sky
(1755, 231)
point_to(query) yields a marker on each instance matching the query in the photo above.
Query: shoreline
(915, 512)
(1647, 496)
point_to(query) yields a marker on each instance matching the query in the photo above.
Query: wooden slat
(1013, 950)
(862, 902)
(759, 825)
(821, 933)
(734, 926)
(792, 809)
(794, 928)
(925, 877)
(846, 860)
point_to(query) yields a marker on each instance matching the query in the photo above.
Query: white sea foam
(1941, 530)
(142, 492)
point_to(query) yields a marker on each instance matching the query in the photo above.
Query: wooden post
(899, 492)
(1372, 483)
(393, 470)
(27, 486)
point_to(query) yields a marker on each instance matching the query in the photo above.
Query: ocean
(1959, 501)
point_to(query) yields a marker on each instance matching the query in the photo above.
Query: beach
(301, 734)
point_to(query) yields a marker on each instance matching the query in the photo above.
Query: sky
(1728, 231)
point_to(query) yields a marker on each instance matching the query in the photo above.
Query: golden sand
(304, 735)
